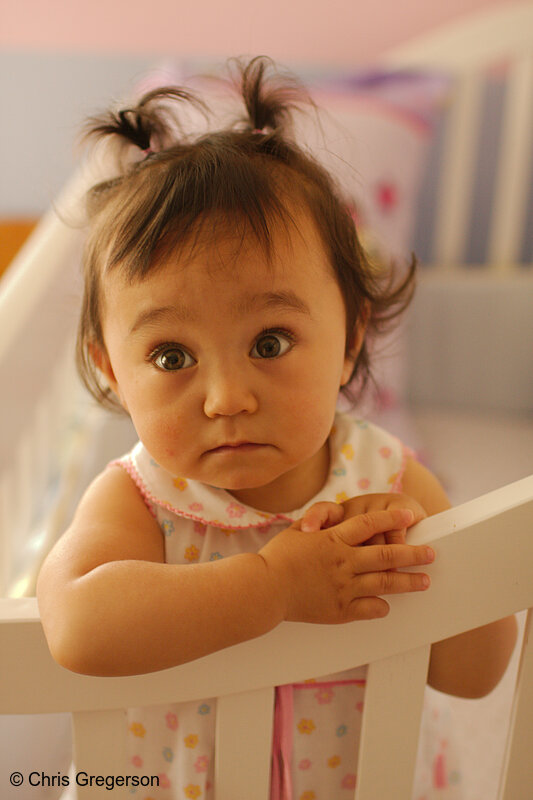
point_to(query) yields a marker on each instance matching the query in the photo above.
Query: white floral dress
(317, 722)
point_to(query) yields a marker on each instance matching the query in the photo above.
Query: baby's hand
(326, 577)
(325, 514)
(365, 503)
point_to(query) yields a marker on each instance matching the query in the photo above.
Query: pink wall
(330, 31)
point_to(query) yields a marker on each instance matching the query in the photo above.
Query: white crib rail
(467, 48)
(51, 245)
(47, 418)
(482, 572)
(514, 166)
(24, 486)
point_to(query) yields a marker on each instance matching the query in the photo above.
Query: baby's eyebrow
(154, 315)
(282, 300)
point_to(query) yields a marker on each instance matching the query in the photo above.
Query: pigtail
(269, 97)
(150, 125)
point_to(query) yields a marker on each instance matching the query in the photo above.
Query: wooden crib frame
(483, 571)
(484, 568)
(467, 48)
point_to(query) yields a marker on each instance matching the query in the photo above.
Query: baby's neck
(292, 490)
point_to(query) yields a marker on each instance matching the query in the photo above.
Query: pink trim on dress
(396, 487)
(151, 501)
(138, 481)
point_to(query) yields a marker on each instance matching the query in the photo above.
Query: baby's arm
(111, 606)
(471, 664)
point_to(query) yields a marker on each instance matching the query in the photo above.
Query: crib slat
(456, 182)
(100, 749)
(42, 255)
(514, 167)
(517, 776)
(244, 745)
(387, 752)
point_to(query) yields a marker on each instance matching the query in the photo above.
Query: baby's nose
(228, 394)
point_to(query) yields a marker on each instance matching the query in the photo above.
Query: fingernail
(430, 554)
(426, 581)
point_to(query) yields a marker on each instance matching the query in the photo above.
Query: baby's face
(230, 369)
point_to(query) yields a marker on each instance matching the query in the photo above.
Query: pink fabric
(281, 786)
(282, 745)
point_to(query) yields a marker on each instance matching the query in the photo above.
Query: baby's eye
(272, 344)
(171, 358)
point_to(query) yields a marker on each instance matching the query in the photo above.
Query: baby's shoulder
(421, 484)
(112, 523)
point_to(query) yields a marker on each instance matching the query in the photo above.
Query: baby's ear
(101, 361)
(354, 345)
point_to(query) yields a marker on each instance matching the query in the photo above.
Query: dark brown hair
(250, 173)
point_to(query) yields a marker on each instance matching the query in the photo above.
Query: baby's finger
(361, 528)
(391, 537)
(381, 558)
(378, 538)
(395, 537)
(392, 582)
(322, 515)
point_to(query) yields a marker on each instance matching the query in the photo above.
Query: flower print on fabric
(348, 452)
(440, 773)
(192, 553)
(235, 510)
(168, 527)
(201, 764)
(393, 479)
(171, 720)
(306, 726)
(325, 695)
(138, 729)
(180, 483)
(349, 781)
(192, 792)
(167, 754)
(191, 740)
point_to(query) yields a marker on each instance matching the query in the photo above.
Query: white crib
(480, 575)
(54, 438)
